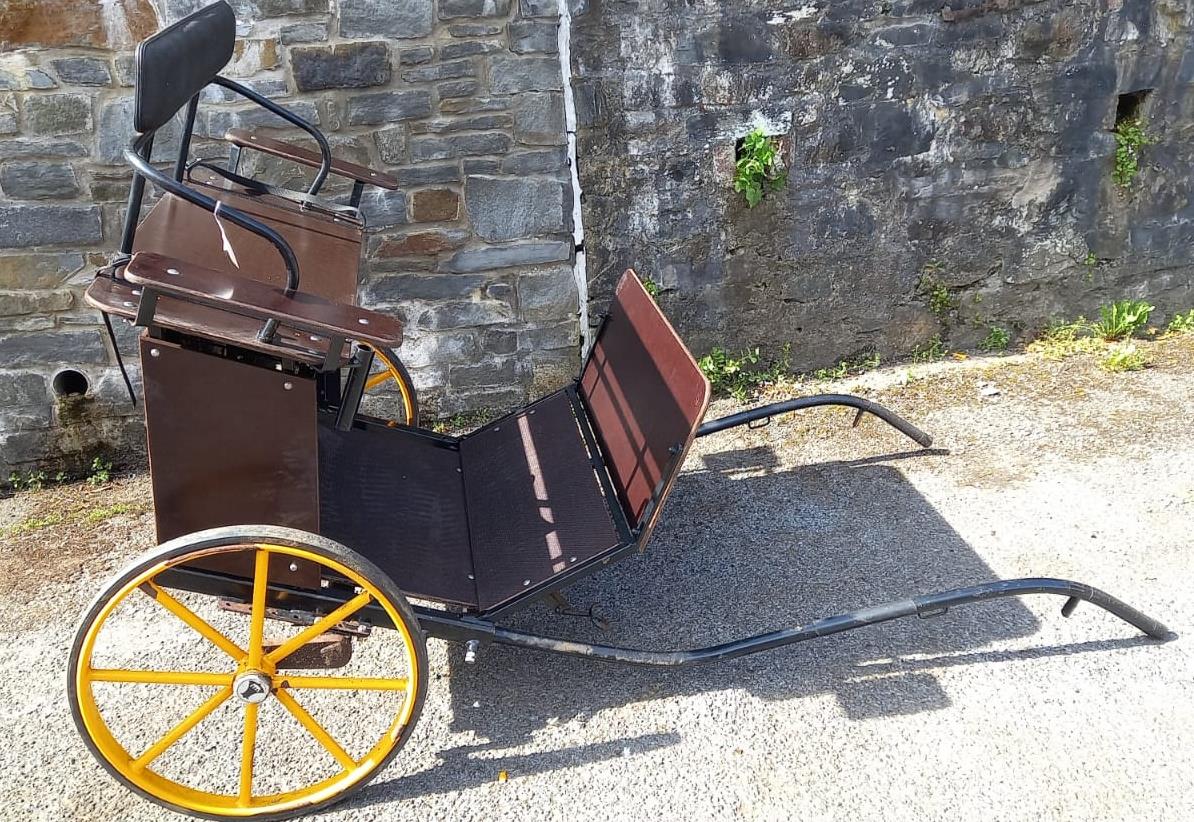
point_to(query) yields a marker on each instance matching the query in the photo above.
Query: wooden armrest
(240, 295)
(305, 156)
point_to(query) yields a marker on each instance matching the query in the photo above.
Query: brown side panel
(229, 444)
(645, 396)
(329, 256)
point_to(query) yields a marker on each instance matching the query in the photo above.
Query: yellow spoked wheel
(388, 372)
(205, 710)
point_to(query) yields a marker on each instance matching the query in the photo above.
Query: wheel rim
(391, 372)
(253, 677)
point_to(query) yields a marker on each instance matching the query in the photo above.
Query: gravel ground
(1004, 710)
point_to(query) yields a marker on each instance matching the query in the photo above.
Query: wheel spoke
(178, 731)
(247, 746)
(318, 627)
(194, 620)
(378, 378)
(158, 677)
(316, 730)
(257, 617)
(355, 683)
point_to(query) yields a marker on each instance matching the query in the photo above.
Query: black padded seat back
(179, 61)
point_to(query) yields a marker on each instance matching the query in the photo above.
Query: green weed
(101, 472)
(846, 368)
(756, 170)
(997, 339)
(930, 351)
(1129, 139)
(1123, 357)
(741, 375)
(1181, 323)
(1122, 319)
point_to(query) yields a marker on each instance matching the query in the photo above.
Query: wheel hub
(252, 687)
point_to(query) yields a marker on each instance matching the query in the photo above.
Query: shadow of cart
(747, 545)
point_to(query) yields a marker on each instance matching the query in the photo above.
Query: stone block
(449, 9)
(486, 258)
(536, 162)
(383, 209)
(426, 288)
(511, 208)
(402, 19)
(427, 173)
(492, 374)
(463, 314)
(216, 122)
(417, 56)
(18, 303)
(347, 65)
(33, 225)
(9, 124)
(387, 107)
(391, 145)
(511, 75)
(475, 29)
(456, 88)
(14, 149)
(435, 205)
(451, 70)
(53, 114)
(32, 180)
(539, 119)
(306, 32)
(539, 8)
(18, 389)
(283, 8)
(533, 36)
(38, 270)
(24, 350)
(422, 243)
(550, 294)
(83, 71)
(469, 48)
(458, 145)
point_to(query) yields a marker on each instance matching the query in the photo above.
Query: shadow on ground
(745, 546)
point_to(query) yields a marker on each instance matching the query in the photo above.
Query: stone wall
(961, 147)
(461, 99)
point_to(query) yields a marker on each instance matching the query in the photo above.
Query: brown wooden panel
(120, 298)
(645, 396)
(397, 496)
(229, 444)
(240, 294)
(305, 156)
(535, 508)
(328, 252)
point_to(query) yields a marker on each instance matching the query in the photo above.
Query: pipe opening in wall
(1130, 105)
(69, 383)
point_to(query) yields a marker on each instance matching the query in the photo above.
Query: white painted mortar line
(564, 42)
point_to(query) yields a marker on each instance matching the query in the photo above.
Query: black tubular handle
(863, 405)
(325, 164)
(926, 605)
(133, 156)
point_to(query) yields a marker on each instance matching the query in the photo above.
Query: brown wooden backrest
(645, 396)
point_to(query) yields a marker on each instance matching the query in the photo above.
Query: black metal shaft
(926, 605)
(763, 412)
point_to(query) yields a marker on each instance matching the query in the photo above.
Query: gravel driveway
(998, 711)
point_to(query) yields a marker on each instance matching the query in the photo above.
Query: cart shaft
(926, 605)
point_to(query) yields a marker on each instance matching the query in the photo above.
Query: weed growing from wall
(756, 170)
